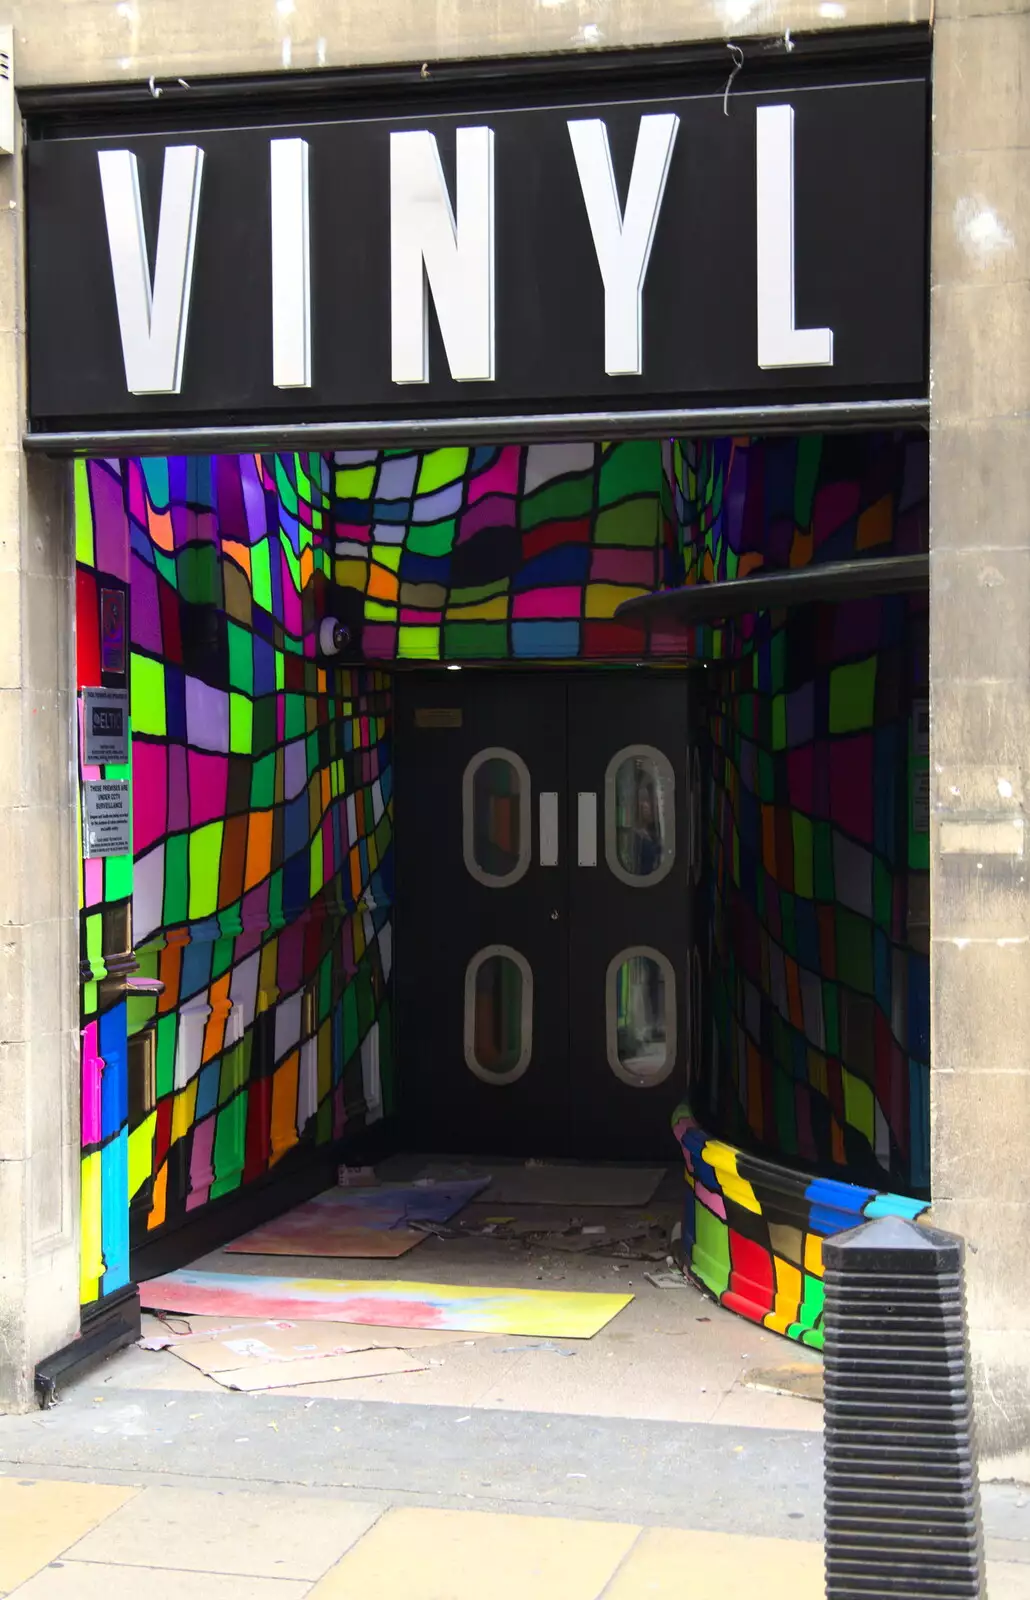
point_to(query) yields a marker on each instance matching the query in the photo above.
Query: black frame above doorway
(622, 84)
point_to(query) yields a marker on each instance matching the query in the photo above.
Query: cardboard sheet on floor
(288, 1236)
(371, 1223)
(320, 1369)
(556, 1313)
(178, 1326)
(544, 1184)
(258, 1344)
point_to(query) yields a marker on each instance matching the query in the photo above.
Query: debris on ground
(544, 1344)
(357, 1178)
(669, 1279)
(634, 1239)
(802, 1379)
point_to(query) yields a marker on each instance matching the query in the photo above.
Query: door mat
(370, 1223)
(543, 1184)
(555, 1313)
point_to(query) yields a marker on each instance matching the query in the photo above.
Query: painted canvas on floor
(550, 1313)
(371, 1223)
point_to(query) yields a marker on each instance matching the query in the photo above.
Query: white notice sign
(105, 820)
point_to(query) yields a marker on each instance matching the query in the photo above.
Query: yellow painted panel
(141, 1154)
(814, 1254)
(495, 610)
(90, 1231)
(184, 1110)
(284, 1106)
(724, 1159)
(788, 1291)
(603, 598)
(858, 1104)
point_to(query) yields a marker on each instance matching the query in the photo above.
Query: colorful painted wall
(236, 968)
(819, 851)
(105, 897)
(753, 1230)
(236, 965)
(505, 553)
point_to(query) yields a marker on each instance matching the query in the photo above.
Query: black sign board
(670, 252)
(105, 726)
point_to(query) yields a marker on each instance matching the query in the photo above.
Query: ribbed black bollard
(902, 1500)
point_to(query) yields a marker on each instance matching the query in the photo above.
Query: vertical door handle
(586, 816)
(548, 828)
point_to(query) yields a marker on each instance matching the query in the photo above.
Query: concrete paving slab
(725, 1478)
(622, 1381)
(1007, 1580)
(251, 1535)
(39, 1520)
(452, 1555)
(666, 1563)
(85, 1580)
(755, 1408)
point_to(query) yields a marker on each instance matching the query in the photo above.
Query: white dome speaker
(333, 636)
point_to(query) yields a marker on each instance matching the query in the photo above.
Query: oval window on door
(639, 815)
(498, 1014)
(640, 1016)
(495, 803)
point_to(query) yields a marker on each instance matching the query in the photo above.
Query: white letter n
(432, 249)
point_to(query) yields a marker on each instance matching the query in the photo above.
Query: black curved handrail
(778, 591)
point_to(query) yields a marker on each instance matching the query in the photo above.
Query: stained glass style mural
(743, 505)
(242, 1005)
(236, 965)
(105, 898)
(504, 552)
(818, 823)
(753, 1230)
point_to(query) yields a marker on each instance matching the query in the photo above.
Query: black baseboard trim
(114, 1324)
(300, 1175)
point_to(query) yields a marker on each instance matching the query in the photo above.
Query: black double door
(547, 839)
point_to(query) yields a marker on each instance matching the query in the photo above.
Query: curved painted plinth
(753, 1231)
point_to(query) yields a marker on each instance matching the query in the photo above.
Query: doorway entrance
(544, 938)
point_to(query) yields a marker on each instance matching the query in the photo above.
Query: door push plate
(586, 815)
(548, 828)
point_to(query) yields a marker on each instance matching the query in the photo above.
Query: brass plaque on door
(437, 716)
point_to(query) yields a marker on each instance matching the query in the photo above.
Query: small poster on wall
(112, 630)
